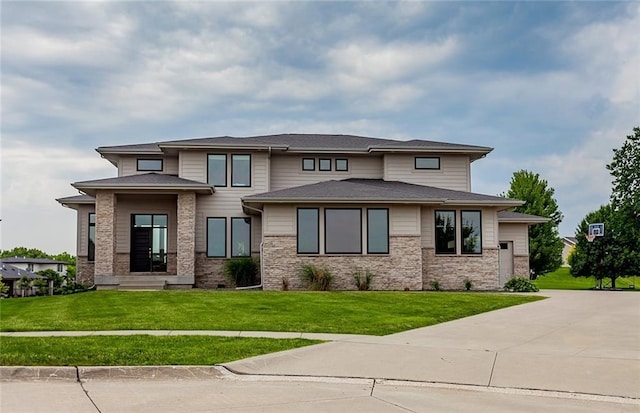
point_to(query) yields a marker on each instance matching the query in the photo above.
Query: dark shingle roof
(10, 272)
(301, 142)
(517, 217)
(143, 181)
(376, 190)
(77, 199)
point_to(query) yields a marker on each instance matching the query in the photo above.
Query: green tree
(4, 288)
(602, 258)
(625, 201)
(545, 245)
(52, 275)
(24, 252)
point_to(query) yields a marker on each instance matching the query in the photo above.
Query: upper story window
(422, 162)
(445, 232)
(308, 164)
(241, 170)
(60, 268)
(30, 266)
(217, 169)
(91, 247)
(325, 164)
(149, 165)
(471, 232)
(342, 164)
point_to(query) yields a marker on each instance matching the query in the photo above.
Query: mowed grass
(372, 313)
(137, 350)
(561, 279)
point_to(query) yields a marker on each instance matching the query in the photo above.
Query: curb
(24, 373)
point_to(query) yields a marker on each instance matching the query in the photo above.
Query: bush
(318, 279)
(242, 271)
(520, 285)
(468, 284)
(435, 285)
(363, 279)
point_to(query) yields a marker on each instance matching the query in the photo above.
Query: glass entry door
(148, 243)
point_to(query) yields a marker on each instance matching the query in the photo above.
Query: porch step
(142, 285)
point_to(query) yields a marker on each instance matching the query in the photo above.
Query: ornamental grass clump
(242, 271)
(363, 279)
(318, 279)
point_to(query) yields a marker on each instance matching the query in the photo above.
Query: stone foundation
(521, 266)
(85, 274)
(401, 269)
(209, 271)
(451, 271)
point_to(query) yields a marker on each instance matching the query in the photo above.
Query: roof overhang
(147, 189)
(528, 220)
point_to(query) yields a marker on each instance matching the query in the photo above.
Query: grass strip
(561, 279)
(372, 313)
(137, 350)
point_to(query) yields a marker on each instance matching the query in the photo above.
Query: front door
(506, 261)
(140, 249)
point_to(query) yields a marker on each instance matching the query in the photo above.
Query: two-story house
(402, 209)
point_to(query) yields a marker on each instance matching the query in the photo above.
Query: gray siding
(453, 174)
(519, 234)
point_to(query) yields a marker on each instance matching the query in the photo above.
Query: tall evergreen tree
(545, 245)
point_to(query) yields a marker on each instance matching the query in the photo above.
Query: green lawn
(373, 313)
(137, 350)
(561, 279)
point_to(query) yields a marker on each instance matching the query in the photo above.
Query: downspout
(251, 287)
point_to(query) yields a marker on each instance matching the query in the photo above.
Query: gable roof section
(376, 191)
(295, 142)
(519, 218)
(148, 181)
(11, 272)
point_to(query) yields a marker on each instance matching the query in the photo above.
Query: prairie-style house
(403, 210)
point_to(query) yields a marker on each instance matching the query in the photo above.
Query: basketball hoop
(591, 237)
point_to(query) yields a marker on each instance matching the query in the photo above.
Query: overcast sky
(552, 86)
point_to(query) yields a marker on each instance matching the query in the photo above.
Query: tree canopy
(545, 245)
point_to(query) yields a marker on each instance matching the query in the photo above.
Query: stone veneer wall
(399, 270)
(451, 271)
(521, 266)
(209, 271)
(105, 232)
(123, 265)
(186, 233)
(85, 271)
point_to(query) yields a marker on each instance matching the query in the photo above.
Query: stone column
(105, 233)
(186, 234)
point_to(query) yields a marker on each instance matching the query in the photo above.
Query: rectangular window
(471, 232)
(342, 231)
(427, 163)
(91, 247)
(308, 231)
(149, 165)
(445, 232)
(29, 267)
(377, 231)
(217, 169)
(216, 237)
(308, 164)
(325, 164)
(240, 170)
(342, 164)
(240, 237)
(60, 268)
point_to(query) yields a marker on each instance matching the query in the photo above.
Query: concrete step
(142, 284)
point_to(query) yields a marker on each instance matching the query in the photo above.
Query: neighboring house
(37, 264)
(11, 274)
(402, 209)
(568, 244)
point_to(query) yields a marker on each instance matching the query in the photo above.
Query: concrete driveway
(578, 351)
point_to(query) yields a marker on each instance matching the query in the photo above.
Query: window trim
(415, 163)
(479, 211)
(224, 219)
(309, 159)
(369, 231)
(455, 232)
(232, 240)
(139, 169)
(298, 231)
(226, 161)
(346, 163)
(91, 255)
(326, 251)
(232, 157)
(320, 165)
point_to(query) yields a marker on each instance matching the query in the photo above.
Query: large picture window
(445, 232)
(240, 237)
(308, 231)
(216, 237)
(471, 232)
(91, 247)
(343, 231)
(240, 170)
(377, 231)
(217, 169)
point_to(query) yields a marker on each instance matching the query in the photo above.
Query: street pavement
(578, 351)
